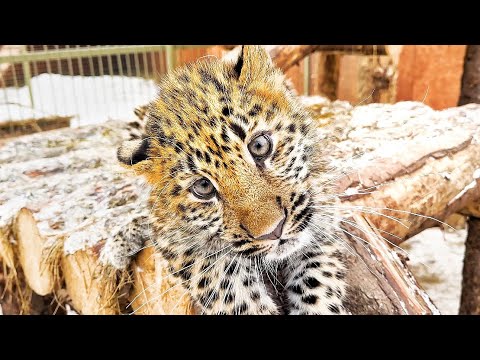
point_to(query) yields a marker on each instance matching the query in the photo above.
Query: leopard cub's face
(229, 153)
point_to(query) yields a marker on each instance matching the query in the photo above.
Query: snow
(90, 99)
(436, 260)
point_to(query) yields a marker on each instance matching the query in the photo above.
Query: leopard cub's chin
(286, 248)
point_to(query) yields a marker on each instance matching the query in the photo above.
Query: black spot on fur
(238, 130)
(191, 163)
(214, 140)
(313, 265)
(189, 252)
(208, 159)
(225, 136)
(230, 268)
(199, 155)
(327, 274)
(240, 243)
(226, 111)
(311, 282)
(250, 251)
(333, 308)
(299, 275)
(241, 309)
(329, 292)
(204, 281)
(206, 265)
(305, 221)
(310, 255)
(255, 295)
(178, 146)
(208, 298)
(225, 284)
(297, 289)
(310, 299)
(304, 129)
(291, 128)
(279, 201)
(176, 190)
(229, 298)
(299, 201)
(255, 110)
(300, 215)
(209, 78)
(185, 274)
(243, 119)
(184, 78)
(167, 254)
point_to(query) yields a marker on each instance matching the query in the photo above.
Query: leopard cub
(237, 180)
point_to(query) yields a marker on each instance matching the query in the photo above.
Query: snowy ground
(436, 260)
(90, 99)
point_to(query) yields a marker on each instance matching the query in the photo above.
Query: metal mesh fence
(91, 83)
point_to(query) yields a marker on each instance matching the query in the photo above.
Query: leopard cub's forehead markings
(205, 111)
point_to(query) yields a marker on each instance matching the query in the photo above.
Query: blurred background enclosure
(48, 86)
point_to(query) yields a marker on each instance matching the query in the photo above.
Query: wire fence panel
(91, 83)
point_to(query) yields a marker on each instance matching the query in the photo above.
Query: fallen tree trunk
(68, 187)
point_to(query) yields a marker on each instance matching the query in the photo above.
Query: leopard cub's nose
(275, 234)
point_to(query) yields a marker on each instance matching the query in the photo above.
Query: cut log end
(30, 248)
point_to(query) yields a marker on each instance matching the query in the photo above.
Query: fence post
(306, 76)
(27, 75)
(170, 49)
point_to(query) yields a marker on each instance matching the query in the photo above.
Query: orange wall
(438, 68)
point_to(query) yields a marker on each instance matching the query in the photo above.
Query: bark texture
(470, 299)
(470, 92)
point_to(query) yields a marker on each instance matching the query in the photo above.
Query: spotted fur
(200, 126)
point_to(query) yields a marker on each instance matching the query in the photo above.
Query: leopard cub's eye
(203, 189)
(260, 147)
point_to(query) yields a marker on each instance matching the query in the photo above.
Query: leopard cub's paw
(121, 248)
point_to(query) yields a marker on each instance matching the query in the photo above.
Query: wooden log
(154, 291)
(28, 126)
(470, 298)
(30, 248)
(91, 293)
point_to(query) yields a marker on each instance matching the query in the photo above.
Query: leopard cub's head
(230, 154)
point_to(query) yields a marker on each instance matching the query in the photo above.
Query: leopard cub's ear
(253, 62)
(134, 152)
